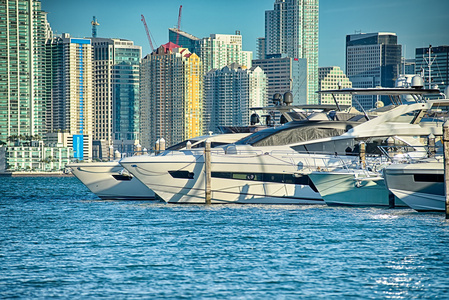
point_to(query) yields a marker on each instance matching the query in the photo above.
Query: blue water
(57, 240)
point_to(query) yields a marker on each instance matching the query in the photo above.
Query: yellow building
(193, 125)
(170, 96)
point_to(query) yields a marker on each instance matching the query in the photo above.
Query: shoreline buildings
(291, 29)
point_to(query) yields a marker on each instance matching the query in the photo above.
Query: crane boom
(179, 25)
(148, 32)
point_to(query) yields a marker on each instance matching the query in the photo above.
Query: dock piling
(207, 171)
(446, 164)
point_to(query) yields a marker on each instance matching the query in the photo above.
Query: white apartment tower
(291, 29)
(230, 92)
(71, 105)
(220, 50)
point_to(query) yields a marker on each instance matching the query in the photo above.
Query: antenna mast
(429, 62)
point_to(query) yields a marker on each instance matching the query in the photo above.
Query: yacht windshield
(300, 132)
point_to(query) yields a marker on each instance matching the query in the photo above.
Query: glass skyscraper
(291, 29)
(24, 31)
(116, 110)
(372, 59)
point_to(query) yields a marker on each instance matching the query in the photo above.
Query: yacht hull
(419, 185)
(105, 179)
(235, 179)
(339, 188)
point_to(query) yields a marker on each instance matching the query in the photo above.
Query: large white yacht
(109, 180)
(270, 166)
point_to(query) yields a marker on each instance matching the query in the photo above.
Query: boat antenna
(429, 62)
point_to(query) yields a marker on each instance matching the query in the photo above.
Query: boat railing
(408, 154)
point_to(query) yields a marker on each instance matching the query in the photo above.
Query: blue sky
(417, 23)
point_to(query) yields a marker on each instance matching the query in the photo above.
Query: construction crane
(179, 25)
(148, 32)
(94, 26)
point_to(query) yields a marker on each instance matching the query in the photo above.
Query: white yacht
(420, 185)
(271, 166)
(109, 180)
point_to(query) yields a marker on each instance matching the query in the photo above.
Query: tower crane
(179, 25)
(94, 26)
(148, 32)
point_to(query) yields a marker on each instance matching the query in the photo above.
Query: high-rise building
(261, 48)
(333, 78)
(184, 40)
(170, 96)
(71, 88)
(116, 110)
(439, 65)
(372, 59)
(230, 92)
(291, 29)
(285, 74)
(407, 66)
(24, 31)
(215, 51)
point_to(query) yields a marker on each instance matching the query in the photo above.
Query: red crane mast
(148, 32)
(179, 25)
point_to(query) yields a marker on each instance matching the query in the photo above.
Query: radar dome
(277, 98)
(288, 98)
(446, 91)
(254, 119)
(417, 82)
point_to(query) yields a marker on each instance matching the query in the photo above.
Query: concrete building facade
(285, 74)
(333, 78)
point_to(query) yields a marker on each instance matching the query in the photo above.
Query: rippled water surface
(57, 240)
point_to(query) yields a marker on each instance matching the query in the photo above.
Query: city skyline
(337, 19)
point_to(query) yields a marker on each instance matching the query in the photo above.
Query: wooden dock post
(431, 145)
(156, 147)
(363, 154)
(207, 171)
(446, 164)
(162, 144)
